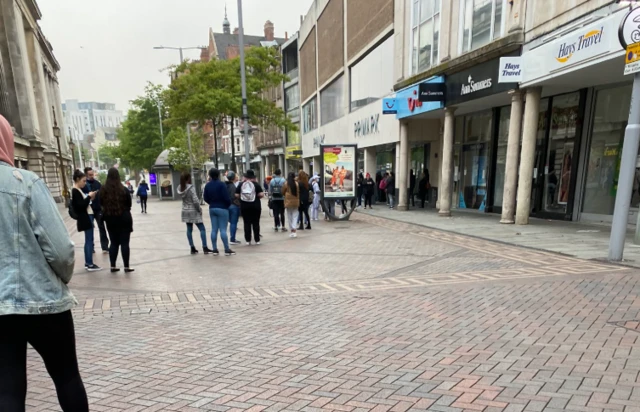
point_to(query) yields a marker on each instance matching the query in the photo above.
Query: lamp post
(56, 134)
(160, 118)
(180, 49)
(72, 147)
(243, 80)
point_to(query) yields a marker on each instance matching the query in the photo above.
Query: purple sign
(152, 179)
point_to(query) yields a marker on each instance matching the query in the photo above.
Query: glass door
(501, 158)
(537, 188)
(475, 160)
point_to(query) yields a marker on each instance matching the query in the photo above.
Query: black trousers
(367, 199)
(53, 337)
(303, 212)
(251, 219)
(104, 240)
(278, 213)
(143, 203)
(119, 241)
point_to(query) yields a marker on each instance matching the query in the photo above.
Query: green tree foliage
(205, 91)
(140, 141)
(109, 155)
(179, 149)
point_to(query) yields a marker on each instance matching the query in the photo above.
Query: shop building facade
(347, 52)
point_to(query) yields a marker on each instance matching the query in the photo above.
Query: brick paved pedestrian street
(365, 315)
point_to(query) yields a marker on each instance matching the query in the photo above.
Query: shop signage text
(583, 42)
(366, 126)
(479, 81)
(432, 92)
(472, 87)
(510, 69)
(317, 141)
(408, 102)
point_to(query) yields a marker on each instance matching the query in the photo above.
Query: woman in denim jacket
(37, 258)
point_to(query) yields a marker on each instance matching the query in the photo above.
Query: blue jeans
(203, 234)
(234, 216)
(88, 244)
(219, 222)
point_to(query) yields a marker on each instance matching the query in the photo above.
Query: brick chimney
(269, 31)
(236, 31)
(286, 35)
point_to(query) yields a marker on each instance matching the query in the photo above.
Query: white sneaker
(292, 235)
(248, 243)
(257, 243)
(295, 235)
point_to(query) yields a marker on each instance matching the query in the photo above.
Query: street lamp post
(161, 131)
(56, 134)
(180, 49)
(243, 80)
(72, 147)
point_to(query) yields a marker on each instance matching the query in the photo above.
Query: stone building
(30, 95)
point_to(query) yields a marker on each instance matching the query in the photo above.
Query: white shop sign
(581, 47)
(510, 69)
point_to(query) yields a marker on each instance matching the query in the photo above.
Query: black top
(369, 186)
(124, 222)
(412, 182)
(256, 204)
(80, 204)
(231, 187)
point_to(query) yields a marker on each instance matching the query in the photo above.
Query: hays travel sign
(581, 43)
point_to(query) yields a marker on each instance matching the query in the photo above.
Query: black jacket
(79, 203)
(369, 186)
(94, 186)
(124, 222)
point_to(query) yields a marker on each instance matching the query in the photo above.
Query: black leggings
(251, 220)
(53, 337)
(303, 212)
(143, 203)
(119, 240)
(367, 199)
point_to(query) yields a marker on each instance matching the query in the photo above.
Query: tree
(140, 141)
(179, 149)
(211, 91)
(109, 154)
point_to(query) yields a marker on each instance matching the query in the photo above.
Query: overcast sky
(105, 48)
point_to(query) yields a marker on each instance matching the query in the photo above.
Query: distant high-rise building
(84, 118)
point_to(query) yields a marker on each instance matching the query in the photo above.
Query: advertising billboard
(339, 171)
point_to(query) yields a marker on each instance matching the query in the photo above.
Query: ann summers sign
(476, 82)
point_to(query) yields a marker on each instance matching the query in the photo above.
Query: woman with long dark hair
(291, 192)
(116, 207)
(192, 213)
(303, 183)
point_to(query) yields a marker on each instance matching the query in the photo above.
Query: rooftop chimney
(269, 31)
(236, 31)
(286, 35)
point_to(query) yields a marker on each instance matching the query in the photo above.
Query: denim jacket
(36, 251)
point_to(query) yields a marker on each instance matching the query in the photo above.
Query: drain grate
(632, 325)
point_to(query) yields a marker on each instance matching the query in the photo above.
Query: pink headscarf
(6, 141)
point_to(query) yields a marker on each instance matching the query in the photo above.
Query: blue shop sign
(389, 106)
(408, 100)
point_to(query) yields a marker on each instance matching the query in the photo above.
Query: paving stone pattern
(436, 321)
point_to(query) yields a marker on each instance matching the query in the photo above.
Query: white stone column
(267, 165)
(306, 164)
(527, 157)
(370, 161)
(511, 166)
(447, 163)
(403, 167)
(281, 164)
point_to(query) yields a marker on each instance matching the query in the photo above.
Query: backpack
(383, 184)
(248, 192)
(276, 191)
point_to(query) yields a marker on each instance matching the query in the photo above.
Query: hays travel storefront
(583, 114)
(482, 104)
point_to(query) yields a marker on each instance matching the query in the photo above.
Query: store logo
(472, 87)
(390, 104)
(414, 102)
(567, 50)
(366, 126)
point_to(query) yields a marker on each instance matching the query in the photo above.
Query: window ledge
(496, 48)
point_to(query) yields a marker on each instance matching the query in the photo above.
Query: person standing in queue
(369, 189)
(217, 197)
(250, 194)
(94, 185)
(315, 206)
(412, 187)
(192, 213)
(117, 216)
(291, 192)
(143, 194)
(37, 258)
(277, 201)
(234, 209)
(303, 183)
(81, 206)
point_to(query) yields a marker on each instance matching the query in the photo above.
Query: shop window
(603, 167)
(332, 101)
(425, 34)
(481, 22)
(474, 161)
(372, 77)
(559, 165)
(310, 116)
(293, 138)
